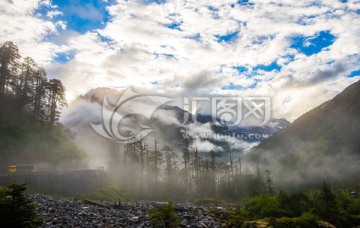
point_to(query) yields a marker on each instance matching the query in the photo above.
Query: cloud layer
(299, 53)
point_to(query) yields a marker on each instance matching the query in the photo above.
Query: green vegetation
(305, 209)
(107, 193)
(15, 209)
(306, 220)
(30, 109)
(164, 216)
(26, 141)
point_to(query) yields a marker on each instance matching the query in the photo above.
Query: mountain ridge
(323, 141)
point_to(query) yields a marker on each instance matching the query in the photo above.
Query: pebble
(70, 214)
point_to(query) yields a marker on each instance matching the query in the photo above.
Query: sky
(299, 53)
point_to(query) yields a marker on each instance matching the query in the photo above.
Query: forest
(25, 87)
(30, 102)
(158, 172)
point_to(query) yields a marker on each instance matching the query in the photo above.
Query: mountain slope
(323, 142)
(24, 140)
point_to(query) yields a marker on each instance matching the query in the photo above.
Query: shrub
(343, 200)
(306, 220)
(293, 205)
(262, 206)
(328, 208)
(164, 216)
(15, 209)
(255, 224)
(230, 218)
(354, 220)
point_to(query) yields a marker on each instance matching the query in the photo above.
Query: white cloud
(29, 31)
(206, 146)
(137, 48)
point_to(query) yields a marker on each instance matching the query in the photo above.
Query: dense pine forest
(30, 109)
(25, 87)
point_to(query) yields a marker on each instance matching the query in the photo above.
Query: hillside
(30, 109)
(321, 143)
(23, 140)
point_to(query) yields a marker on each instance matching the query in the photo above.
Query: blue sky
(80, 16)
(83, 15)
(312, 44)
(229, 47)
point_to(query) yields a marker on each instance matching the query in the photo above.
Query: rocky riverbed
(75, 213)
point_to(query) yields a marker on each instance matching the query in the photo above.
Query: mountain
(167, 125)
(322, 143)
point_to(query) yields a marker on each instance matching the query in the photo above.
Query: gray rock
(68, 213)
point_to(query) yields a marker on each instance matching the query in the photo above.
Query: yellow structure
(21, 168)
(12, 169)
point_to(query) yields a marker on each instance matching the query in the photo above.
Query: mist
(320, 145)
(297, 157)
(195, 151)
